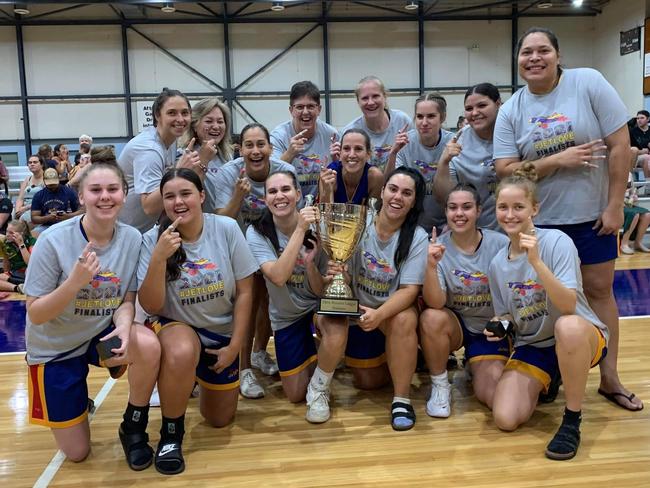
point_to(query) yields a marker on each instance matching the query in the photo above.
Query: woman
(352, 179)
(77, 172)
(290, 260)
(80, 289)
(456, 290)
(421, 148)
(387, 272)
(195, 274)
(571, 124)
(537, 290)
(210, 129)
(241, 196)
(63, 166)
(151, 153)
(377, 120)
(29, 187)
(467, 158)
(637, 220)
(15, 249)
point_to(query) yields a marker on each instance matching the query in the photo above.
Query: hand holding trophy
(339, 230)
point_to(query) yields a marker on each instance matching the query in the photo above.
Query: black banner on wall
(630, 41)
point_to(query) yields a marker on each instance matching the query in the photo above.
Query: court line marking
(54, 465)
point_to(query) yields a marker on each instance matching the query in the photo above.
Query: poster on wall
(144, 115)
(630, 41)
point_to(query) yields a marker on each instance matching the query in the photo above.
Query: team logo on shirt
(309, 169)
(467, 278)
(381, 153)
(552, 134)
(200, 281)
(491, 178)
(252, 208)
(375, 276)
(100, 297)
(426, 168)
(522, 288)
(472, 291)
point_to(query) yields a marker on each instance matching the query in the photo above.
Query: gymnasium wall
(74, 60)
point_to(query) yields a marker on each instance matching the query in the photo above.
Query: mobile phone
(500, 328)
(104, 347)
(60, 212)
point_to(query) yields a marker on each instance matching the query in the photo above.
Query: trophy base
(339, 307)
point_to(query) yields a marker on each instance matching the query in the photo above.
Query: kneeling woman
(196, 276)
(457, 290)
(536, 283)
(387, 273)
(80, 288)
(292, 263)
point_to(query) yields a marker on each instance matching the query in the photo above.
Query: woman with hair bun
(537, 293)
(572, 126)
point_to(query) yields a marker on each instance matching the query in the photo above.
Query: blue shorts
(58, 392)
(365, 349)
(295, 347)
(228, 379)
(478, 348)
(541, 362)
(592, 248)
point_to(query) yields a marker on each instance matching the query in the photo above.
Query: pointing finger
(190, 146)
(174, 224)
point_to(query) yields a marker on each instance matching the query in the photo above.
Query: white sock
(320, 379)
(402, 400)
(440, 379)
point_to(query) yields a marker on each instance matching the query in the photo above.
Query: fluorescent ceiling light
(21, 9)
(277, 7)
(411, 5)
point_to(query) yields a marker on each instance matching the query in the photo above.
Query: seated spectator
(636, 221)
(30, 186)
(15, 249)
(6, 207)
(640, 138)
(63, 165)
(85, 143)
(4, 176)
(78, 171)
(54, 203)
(45, 151)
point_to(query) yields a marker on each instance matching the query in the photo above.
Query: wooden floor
(270, 443)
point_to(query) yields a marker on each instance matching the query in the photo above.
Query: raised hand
(307, 216)
(169, 241)
(452, 149)
(297, 143)
(208, 151)
(335, 148)
(528, 242)
(401, 140)
(190, 159)
(436, 251)
(86, 267)
(243, 184)
(583, 156)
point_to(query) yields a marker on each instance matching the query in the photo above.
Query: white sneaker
(154, 401)
(318, 405)
(249, 387)
(262, 361)
(438, 404)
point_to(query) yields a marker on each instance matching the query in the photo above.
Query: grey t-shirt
(581, 108)
(475, 165)
(204, 295)
(144, 160)
(91, 311)
(210, 183)
(517, 290)
(374, 274)
(290, 302)
(381, 142)
(315, 156)
(425, 159)
(464, 278)
(253, 204)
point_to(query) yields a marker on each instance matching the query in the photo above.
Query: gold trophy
(339, 230)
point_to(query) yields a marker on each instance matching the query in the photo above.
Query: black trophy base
(339, 307)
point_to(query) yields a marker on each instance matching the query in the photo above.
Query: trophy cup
(339, 229)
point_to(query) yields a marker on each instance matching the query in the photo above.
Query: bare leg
(598, 280)
(515, 399)
(74, 441)
(485, 376)
(440, 334)
(218, 407)
(401, 349)
(625, 238)
(642, 227)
